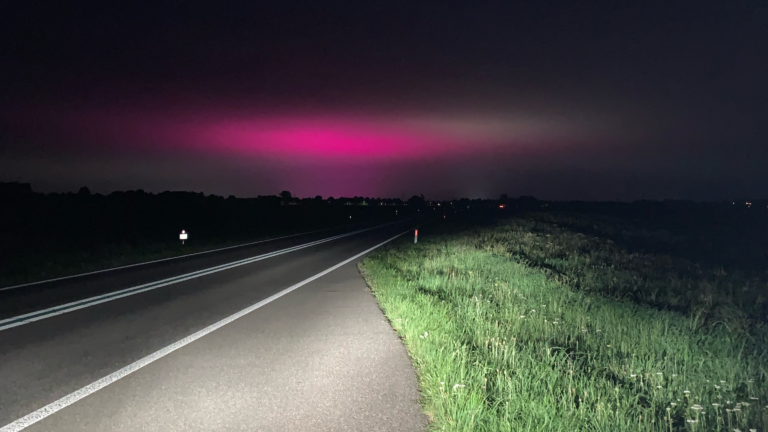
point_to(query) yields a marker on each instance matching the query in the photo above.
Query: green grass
(598, 265)
(502, 343)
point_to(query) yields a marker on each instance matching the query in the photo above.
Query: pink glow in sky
(312, 137)
(315, 139)
(248, 153)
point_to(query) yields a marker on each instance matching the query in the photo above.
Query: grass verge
(499, 344)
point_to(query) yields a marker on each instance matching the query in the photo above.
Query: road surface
(271, 343)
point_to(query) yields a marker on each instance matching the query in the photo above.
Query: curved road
(278, 336)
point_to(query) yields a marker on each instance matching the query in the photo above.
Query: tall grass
(599, 265)
(500, 344)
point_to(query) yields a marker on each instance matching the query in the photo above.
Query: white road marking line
(30, 317)
(75, 396)
(157, 261)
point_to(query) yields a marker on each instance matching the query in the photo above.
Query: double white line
(161, 260)
(95, 386)
(80, 304)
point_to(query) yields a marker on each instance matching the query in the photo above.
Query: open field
(45, 236)
(530, 324)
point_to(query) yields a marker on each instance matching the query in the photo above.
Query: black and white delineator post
(415, 236)
(183, 236)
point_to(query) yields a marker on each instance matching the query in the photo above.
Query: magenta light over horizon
(305, 137)
(323, 139)
(332, 153)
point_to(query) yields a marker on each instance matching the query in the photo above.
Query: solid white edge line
(161, 260)
(75, 396)
(20, 320)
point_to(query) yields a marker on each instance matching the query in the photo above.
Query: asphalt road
(320, 357)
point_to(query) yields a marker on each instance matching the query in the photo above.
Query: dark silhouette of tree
(417, 201)
(15, 188)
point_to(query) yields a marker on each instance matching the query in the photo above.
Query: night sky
(556, 99)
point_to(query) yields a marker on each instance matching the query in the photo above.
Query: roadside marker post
(416, 237)
(183, 236)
